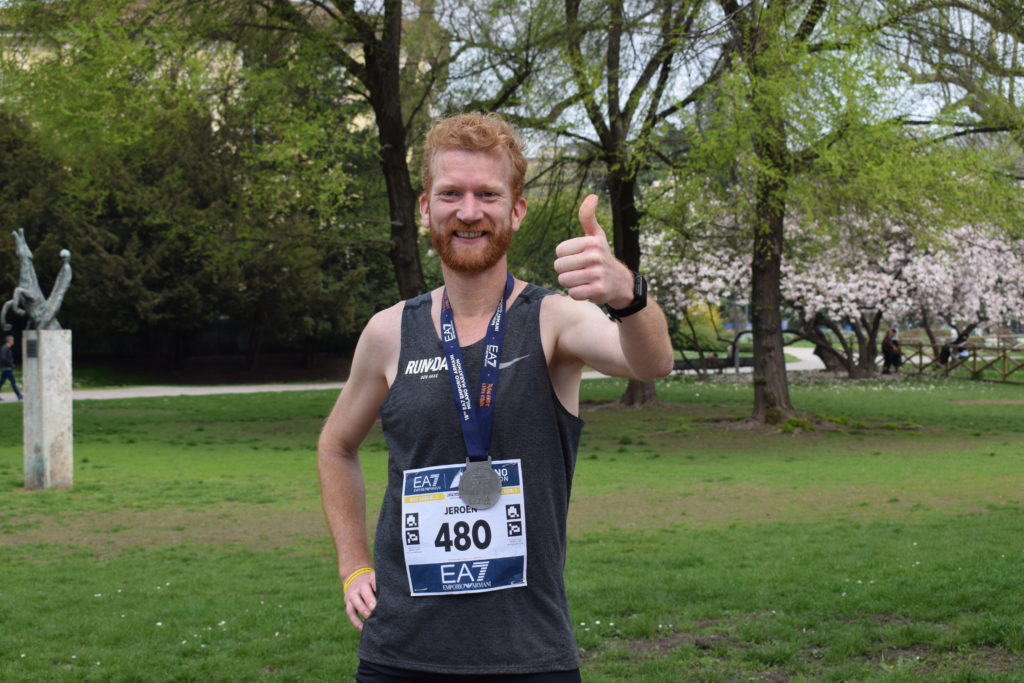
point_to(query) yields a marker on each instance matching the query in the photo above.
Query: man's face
(470, 210)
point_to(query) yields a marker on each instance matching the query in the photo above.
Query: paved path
(808, 361)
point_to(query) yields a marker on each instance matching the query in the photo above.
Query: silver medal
(480, 486)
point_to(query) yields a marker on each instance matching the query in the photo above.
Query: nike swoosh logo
(502, 366)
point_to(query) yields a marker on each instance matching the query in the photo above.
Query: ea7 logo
(448, 331)
(461, 572)
(426, 481)
(491, 356)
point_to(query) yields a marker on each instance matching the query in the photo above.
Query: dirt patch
(661, 647)
(715, 504)
(992, 659)
(253, 527)
(925, 660)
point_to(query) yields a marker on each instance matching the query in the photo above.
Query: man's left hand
(586, 266)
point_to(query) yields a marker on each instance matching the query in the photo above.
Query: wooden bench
(709, 363)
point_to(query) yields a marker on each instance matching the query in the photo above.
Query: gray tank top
(516, 630)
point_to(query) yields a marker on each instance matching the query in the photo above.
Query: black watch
(638, 303)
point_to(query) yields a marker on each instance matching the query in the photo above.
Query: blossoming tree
(844, 289)
(976, 281)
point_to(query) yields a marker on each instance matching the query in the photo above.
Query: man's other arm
(341, 480)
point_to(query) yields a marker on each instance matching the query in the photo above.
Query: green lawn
(880, 539)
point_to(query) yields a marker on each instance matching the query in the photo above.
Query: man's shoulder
(385, 321)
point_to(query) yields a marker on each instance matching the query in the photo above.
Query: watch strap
(638, 303)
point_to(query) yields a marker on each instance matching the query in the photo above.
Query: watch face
(639, 299)
(639, 286)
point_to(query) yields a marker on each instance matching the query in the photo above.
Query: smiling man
(466, 577)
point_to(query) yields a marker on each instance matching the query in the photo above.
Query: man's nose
(470, 209)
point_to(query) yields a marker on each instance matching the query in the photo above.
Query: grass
(876, 539)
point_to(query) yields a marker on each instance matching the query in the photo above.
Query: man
(892, 352)
(7, 366)
(467, 580)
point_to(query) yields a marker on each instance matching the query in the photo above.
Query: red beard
(473, 259)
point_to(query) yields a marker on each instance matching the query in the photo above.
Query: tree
(975, 281)
(807, 122)
(31, 181)
(844, 291)
(203, 181)
(621, 58)
(365, 51)
(971, 54)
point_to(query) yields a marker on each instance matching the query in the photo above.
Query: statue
(28, 298)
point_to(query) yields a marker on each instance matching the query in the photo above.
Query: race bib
(451, 547)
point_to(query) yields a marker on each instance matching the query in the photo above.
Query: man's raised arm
(637, 345)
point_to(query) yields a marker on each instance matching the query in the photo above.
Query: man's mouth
(468, 235)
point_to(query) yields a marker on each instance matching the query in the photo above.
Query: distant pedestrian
(7, 366)
(892, 353)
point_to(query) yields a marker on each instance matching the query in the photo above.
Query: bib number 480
(478, 535)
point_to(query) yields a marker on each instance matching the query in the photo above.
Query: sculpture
(28, 298)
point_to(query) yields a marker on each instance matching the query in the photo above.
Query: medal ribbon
(477, 417)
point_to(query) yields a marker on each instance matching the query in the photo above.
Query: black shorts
(377, 673)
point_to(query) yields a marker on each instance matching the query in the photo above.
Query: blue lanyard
(477, 418)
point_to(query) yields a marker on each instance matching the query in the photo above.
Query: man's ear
(425, 210)
(518, 212)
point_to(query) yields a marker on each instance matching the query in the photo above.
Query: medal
(480, 486)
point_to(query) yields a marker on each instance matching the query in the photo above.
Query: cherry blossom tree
(976, 281)
(844, 290)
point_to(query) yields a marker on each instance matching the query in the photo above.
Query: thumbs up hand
(586, 266)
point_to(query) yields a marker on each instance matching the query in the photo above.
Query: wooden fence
(994, 363)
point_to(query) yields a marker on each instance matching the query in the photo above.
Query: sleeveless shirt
(524, 629)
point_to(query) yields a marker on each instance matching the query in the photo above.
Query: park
(823, 197)
(883, 544)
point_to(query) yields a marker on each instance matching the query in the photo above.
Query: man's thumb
(588, 221)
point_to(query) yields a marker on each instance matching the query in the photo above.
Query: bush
(699, 330)
(705, 339)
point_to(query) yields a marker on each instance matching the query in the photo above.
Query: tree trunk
(625, 219)
(867, 341)
(381, 40)
(383, 79)
(772, 404)
(831, 359)
(926, 322)
(638, 394)
(626, 240)
(402, 200)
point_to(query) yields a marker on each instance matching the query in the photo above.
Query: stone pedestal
(46, 384)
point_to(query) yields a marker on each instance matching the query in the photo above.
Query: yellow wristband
(353, 576)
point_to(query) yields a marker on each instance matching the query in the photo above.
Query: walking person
(892, 352)
(477, 388)
(7, 366)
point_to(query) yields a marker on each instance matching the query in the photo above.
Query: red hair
(475, 133)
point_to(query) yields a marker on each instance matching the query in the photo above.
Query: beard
(471, 259)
